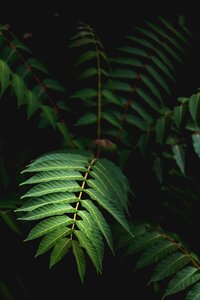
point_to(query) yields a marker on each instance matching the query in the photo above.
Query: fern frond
(168, 256)
(25, 77)
(143, 70)
(69, 194)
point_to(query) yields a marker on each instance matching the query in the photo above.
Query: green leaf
(145, 240)
(54, 198)
(50, 239)
(111, 97)
(32, 103)
(121, 86)
(36, 64)
(194, 106)
(86, 57)
(134, 51)
(152, 87)
(90, 249)
(162, 66)
(123, 74)
(85, 94)
(179, 155)
(54, 175)
(194, 293)
(60, 250)
(138, 122)
(182, 280)
(53, 85)
(48, 225)
(158, 78)
(155, 253)
(100, 221)
(110, 207)
(9, 219)
(49, 114)
(142, 111)
(47, 211)
(148, 99)
(5, 73)
(87, 119)
(169, 266)
(19, 89)
(91, 72)
(162, 128)
(80, 259)
(53, 187)
(196, 143)
(179, 112)
(127, 61)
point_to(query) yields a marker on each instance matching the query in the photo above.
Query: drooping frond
(69, 194)
(167, 254)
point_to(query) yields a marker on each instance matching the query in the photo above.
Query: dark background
(50, 28)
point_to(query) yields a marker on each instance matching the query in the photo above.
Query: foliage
(83, 194)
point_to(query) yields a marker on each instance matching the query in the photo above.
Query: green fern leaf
(86, 57)
(36, 64)
(196, 143)
(174, 30)
(144, 241)
(127, 61)
(162, 66)
(194, 106)
(54, 198)
(142, 111)
(87, 119)
(52, 187)
(134, 51)
(121, 86)
(156, 76)
(63, 179)
(194, 293)
(53, 85)
(100, 221)
(48, 225)
(179, 155)
(50, 239)
(110, 207)
(47, 211)
(124, 73)
(80, 259)
(5, 74)
(49, 114)
(152, 87)
(91, 251)
(182, 280)
(19, 89)
(54, 175)
(155, 253)
(32, 103)
(179, 112)
(91, 72)
(137, 122)
(169, 266)
(148, 99)
(59, 251)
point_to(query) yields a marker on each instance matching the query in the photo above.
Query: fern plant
(81, 196)
(169, 256)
